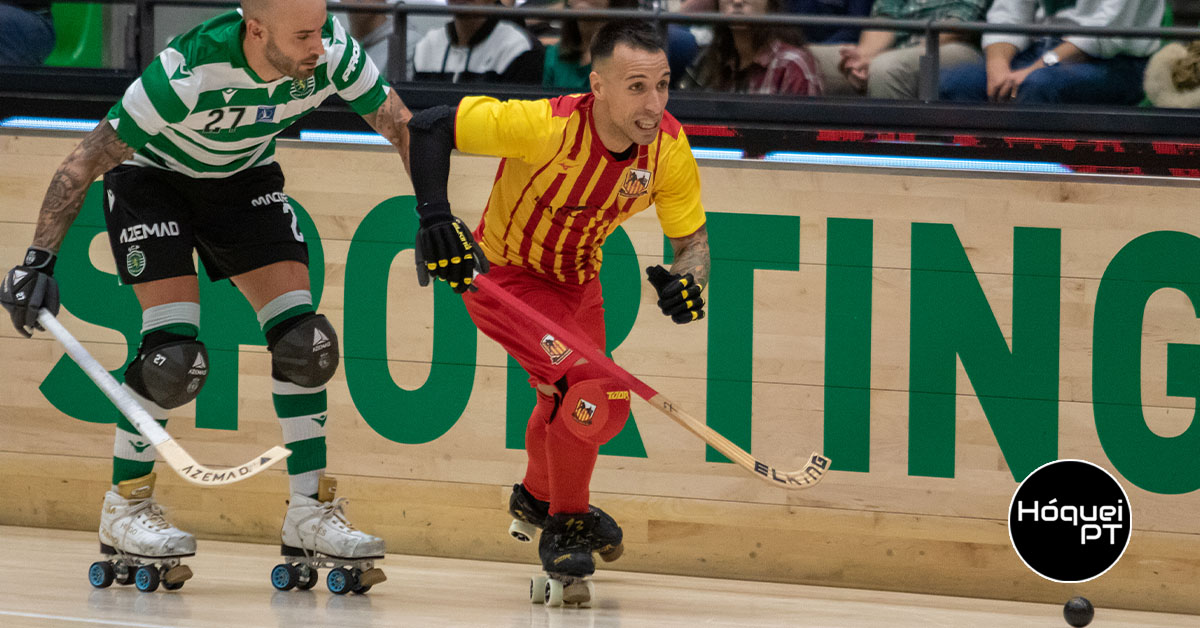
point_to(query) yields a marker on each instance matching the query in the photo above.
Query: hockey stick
(172, 452)
(807, 477)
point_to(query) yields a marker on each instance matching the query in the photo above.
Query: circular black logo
(1069, 521)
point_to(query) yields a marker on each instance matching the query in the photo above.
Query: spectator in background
(478, 49)
(1071, 69)
(886, 64)
(569, 63)
(373, 30)
(26, 32)
(755, 59)
(825, 42)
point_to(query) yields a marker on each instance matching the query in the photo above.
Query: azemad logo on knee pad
(1070, 521)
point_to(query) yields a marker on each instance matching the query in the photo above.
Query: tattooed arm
(100, 151)
(691, 256)
(391, 121)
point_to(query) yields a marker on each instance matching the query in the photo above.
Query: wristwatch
(1050, 59)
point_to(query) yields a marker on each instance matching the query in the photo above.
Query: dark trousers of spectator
(1115, 81)
(681, 49)
(26, 38)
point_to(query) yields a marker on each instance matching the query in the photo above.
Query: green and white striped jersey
(201, 111)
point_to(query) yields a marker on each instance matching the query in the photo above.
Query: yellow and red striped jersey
(559, 192)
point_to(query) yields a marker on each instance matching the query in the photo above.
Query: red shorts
(578, 308)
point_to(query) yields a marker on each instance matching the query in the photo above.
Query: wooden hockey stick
(807, 477)
(172, 452)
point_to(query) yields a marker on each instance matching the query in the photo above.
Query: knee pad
(169, 369)
(304, 350)
(595, 409)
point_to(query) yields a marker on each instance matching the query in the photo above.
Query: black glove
(678, 296)
(446, 250)
(28, 288)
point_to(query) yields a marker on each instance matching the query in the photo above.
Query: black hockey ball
(1078, 612)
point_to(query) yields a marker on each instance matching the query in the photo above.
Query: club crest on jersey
(583, 412)
(265, 114)
(303, 89)
(555, 349)
(135, 261)
(637, 182)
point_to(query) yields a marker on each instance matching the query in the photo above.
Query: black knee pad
(304, 350)
(169, 369)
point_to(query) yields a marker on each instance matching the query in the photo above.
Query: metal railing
(141, 48)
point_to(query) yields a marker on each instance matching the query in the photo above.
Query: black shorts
(156, 218)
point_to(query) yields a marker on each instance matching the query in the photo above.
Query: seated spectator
(755, 59)
(1071, 69)
(479, 49)
(373, 30)
(825, 42)
(26, 32)
(1173, 76)
(569, 62)
(886, 64)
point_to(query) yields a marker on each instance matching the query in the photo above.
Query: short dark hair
(638, 34)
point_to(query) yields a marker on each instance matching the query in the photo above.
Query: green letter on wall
(951, 318)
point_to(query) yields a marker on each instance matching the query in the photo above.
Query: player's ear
(596, 82)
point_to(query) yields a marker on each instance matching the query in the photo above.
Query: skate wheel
(146, 578)
(522, 531)
(537, 590)
(124, 573)
(341, 580)
(101, 574)
(284, 577)
(308, 577)
(173, 586)
(553, 592)
(362, 588)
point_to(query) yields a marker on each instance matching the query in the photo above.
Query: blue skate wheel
(284, 577)
(146, 578)
(101, 574)
(341, 581)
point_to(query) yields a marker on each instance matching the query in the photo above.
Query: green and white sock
(302, 411)
(133, 456)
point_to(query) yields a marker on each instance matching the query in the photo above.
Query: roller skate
(566, 551)
(139, 545)
(317, 535)
(530, 513)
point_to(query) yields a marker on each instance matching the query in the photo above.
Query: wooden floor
(43, 583)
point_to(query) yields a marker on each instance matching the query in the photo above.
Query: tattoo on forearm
(391, 121)
(691, 256)
(100, 151)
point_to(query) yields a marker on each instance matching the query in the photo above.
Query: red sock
(537, 480)
(571, 463)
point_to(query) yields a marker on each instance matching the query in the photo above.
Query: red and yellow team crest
(555, 349)
(637, 182)
(584, 412)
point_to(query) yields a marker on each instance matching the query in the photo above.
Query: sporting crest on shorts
(584, 412)
(135, 261)
(637, 182)
(555, 349)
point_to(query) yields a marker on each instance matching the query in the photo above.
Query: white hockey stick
(172, 452)
(806, 477)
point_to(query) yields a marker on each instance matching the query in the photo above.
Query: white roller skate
(140, 546)
(316, 534)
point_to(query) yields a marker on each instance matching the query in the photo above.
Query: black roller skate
(566, 551)
(530, 513)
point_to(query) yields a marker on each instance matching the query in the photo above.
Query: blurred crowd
(810, 61)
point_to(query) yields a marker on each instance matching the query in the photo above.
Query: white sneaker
(131, 522)
(320, 525)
